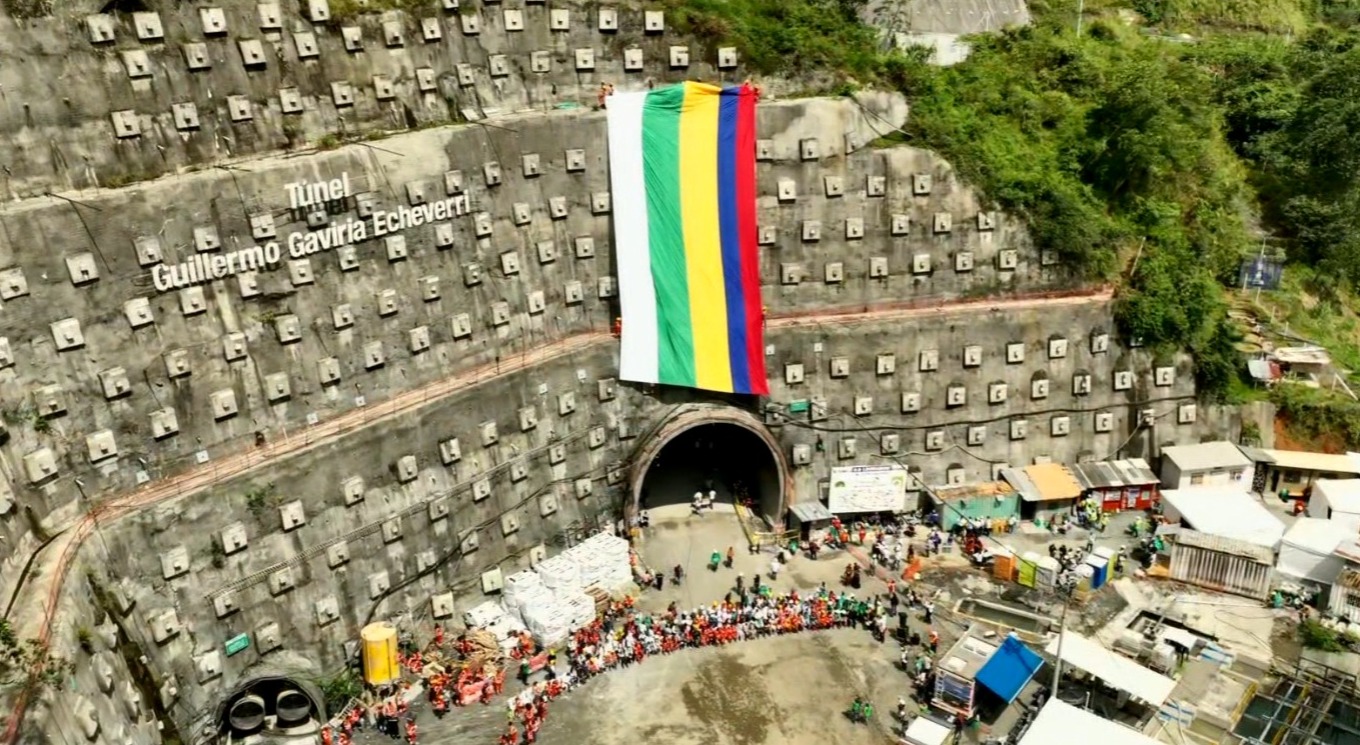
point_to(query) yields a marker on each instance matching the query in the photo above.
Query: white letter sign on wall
(302, 195)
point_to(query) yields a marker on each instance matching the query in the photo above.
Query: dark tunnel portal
(726, 458)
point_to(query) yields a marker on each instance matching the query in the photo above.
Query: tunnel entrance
(720, 456)
(271, 703)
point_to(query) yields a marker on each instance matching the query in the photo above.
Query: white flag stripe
(639, 357)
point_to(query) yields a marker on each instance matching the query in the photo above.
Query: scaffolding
(1312, 704)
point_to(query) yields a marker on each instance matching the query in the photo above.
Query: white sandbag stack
(547, 621)
(604, 562)
(561, 574)
(507, 629)
(484, 616)
(520, 589)
(579, 609)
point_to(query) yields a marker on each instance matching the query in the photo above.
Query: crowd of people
(623, 636)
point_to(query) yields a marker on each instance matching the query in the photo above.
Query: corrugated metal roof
(1206, 456)
(1307, 355)
(1219, 544)
(1106, 474)
(970, 491)
(1257, 455)
(1305, 461)
(1044, 482)
(1349, 551)
(968, 654)
(810, 512)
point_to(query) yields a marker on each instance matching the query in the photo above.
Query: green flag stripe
(661, 173)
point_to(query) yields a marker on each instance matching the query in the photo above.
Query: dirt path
(50, 568)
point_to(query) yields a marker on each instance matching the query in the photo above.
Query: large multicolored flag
(682, 166)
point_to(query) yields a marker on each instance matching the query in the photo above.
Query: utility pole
(1260, 267)
(1081, 10)
(1066, 592)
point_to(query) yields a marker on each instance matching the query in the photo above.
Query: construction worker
(618, 327)
(411, 731)
(326, 737)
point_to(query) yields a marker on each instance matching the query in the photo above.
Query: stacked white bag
(484, 615)
(604, 562)
(550, 600)
(507, 629)
(548, 621)
(561, 574)
(520, 589)
(579, 609)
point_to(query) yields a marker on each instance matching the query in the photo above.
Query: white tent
(1226, 512)
(1115, 669)
(926, 731)
(1060, 722)
(1308, 550)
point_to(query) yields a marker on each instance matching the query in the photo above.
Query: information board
(237, 643)
(1260, 273)
(867, 489)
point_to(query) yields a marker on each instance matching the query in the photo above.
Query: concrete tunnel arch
(699, 415)
(290, 699)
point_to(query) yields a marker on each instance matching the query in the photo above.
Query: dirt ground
(788, 690)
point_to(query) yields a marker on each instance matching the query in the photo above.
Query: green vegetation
(1318, 418)
(22, 10)
(815, 40)
(1314, 635)
(1110, 146)
(1279, 16)
(261, 498)
(346, 10)
(1308, 307)
(340, 689)
(85, 638)
(329, 141)
(21, 658)
(1154, 150)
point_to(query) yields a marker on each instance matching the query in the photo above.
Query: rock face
(941, 24)
(312, 389)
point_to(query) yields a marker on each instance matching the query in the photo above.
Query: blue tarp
(1009, 669)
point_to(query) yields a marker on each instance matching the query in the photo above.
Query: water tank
(380, 654)
(292, 707)
(247, 714)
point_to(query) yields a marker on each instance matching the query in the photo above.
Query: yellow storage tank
(380, 654)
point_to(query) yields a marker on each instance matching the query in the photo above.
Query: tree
(22, 658)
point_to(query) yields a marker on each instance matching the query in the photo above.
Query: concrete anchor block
(86, 715)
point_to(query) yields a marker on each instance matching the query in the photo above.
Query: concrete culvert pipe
(292, 707)
(247, 714)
